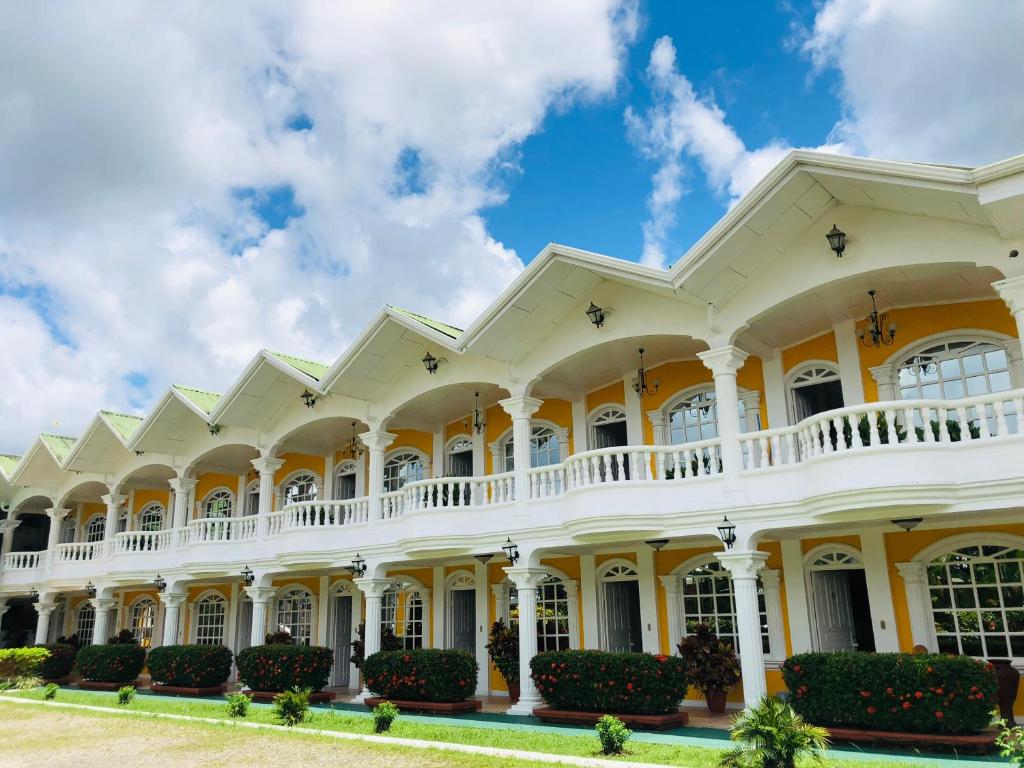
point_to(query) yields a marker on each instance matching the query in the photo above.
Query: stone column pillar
(751, 411)
(876, 576)
(483, 626)
(580, 430)
(848, 352)
(113, 502)
(572, 605)
(376, 442)
(7, 529)
(650, 632)
(172, 602)
(588, 581)
(373, 590)
(500, 592)
(796, 595)
(885, 378)
(771, 581)
(659, 428)
(521, 409)
(101, 629)
(723, 363)
(182, 487)
(1011, 290)
(918, 606)
(268, 469)
(744, 567)
(53, 537)
(676, 630)
(43, 612)
(261, 597)
(526, 580)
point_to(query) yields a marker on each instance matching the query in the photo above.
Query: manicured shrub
(238, 705)
(388, 642)
(190, 666)
(111, 663)
(19, 665)
(125, 695)
(50, 691)
(613, 734)
(423, 674)
(60, 661)
(292, 707)
(384, 714)
(283, 667)
(597, 681)
(910, 693)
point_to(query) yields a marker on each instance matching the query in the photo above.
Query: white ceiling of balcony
(322, 436)
(817, 311)
(230, 459)
(88, 493)
(172, 430)
(264, 396)
(40, 469)
(154, 476)
(391, 350)
(98, 452)
(445, 405)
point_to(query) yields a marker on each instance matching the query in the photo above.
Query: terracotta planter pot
(513, 692)
(1008, 679)
(716, 701)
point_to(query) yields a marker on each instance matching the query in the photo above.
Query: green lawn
(511, 737)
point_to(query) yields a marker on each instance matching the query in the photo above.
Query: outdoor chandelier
(354, 446)
(308, 398)
(160, 583)
(836, 240)
(430, 363)
(248, 576)
(90, 589)
(877, 329)
(479, 424)
(511, 550)
(727, 532)
(640, 385)
(596, 315)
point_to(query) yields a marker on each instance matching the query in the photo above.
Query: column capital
(499, 590)
(572, 587)
(45, 608)
(671, 583)
(656, 417)
(771, 578)
(8, 525)
(260, 594)
(751, 399)
(526, 578)
(912, 573)
(172, 599)
(373, 587)
(377, 439)
(723, 361)
(103, 603)
(182, 484)
(57, 513)
(741, 564)
(520, 407)
(884, 375)
(113, 500)
(267, 466)
(1011, 290)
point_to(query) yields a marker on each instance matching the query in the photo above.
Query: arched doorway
(840, 614)
(620, 599)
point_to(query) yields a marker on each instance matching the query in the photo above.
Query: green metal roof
(204, 401)
(7, 463)
(122, 423)
(59, 445)
(437, 325)
(311, 368)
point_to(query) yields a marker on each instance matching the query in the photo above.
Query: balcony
(930, 455)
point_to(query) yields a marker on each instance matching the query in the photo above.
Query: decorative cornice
(1011, 290)
(377, 439)
(521, 407)
(172, 599)
(103, 603)
(723, 361)
(260, 594)
(267, 466)
(373, 587)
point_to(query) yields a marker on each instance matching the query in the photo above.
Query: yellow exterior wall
(819, 348)
(89, 511)
(208, 481)
(293, 462)
(613, 393)
(144, 496)
(557, 412)
(498, 422)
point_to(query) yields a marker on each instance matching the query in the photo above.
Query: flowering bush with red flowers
(615, 683)
(283, 667)
(59, 662)
(901, 692)
(423, 674)
(120, 663)
(190, 666)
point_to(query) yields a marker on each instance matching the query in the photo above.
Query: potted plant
(503, 650)
(711, 664)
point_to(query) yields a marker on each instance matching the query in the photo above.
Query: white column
(437, 452)
(848, 351)
(323, 610)
(376, 442)
(771, 582)
(775, 390)
(588, 581)
(357, 619)
(172, 602)
(580, 432)
(885, 378)
(500, 592)
(744, 567)
(876, 575)
(261, 597)
(723, 363)
(1011, 290)
(915, 583)
(483, 684)
(437, 619)
(479, 454)
(796, 595)
(374, 590)
(329, 476)
(230, 623)
(572, 605)
(113, 502)
(659, 429)
(521, 409)
(7, 528)
(268, 470)
(361, 476)
(1015, 359)
(182, 487)
(751, 411)
(102, 606)
(676, 630)
(43, 612)
(526, 580)
(633, 406)
(650, 632)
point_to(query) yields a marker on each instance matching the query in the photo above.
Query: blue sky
(583, 183)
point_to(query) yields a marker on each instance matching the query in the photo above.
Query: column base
(524, 707)
(362, 696)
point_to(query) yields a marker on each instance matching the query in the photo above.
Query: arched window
(608, 427)
(295, 613)
(122, 520)
(301, 488)
(552, 614)
(460, 458)
(545, 448)
(403, 613)
(85, 620)
(401, 469)
(68, 530)
(345, 481)
(252, 498)
(143, 618)
(152, 517)
(94, 530)
(219, 504)
(694, 418)
(977, 601)
(211, 614)
(708, 598)
(814, 389)
(954, 369)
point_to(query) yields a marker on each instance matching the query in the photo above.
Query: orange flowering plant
(421, 674)
(120, 663)
(190, 666)
(283, 667)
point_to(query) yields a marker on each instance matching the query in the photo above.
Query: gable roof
(311, 368)
(59, 445)
(123, 424)
(8, 462)
(198, 398)
(436, 325)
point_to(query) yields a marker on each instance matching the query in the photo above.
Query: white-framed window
(693, 418)
(252, 498)
(211, 617)
(219, 503)
(814, 388)
(345, 481)
(56, 628)
(460, 458)
(403, 612)
(708, 598)
(545, 448)
(401, 469)
(976, 596)
(953, 369)
(552, 614)
(294, 610)
(95, 528)
(85, 621)
(301, 487)
(122, 520)
(68, 530)
(152, 517)
(143, 619)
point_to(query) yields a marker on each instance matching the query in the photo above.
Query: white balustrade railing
(547, 482)
(392, 504)
(214, 529)
(77, 553)
(887, 425)
(321, 514)
(644, 463)
(23, 560)
(444, 492)
(142, 541)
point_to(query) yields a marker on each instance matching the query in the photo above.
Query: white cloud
(125, 134)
